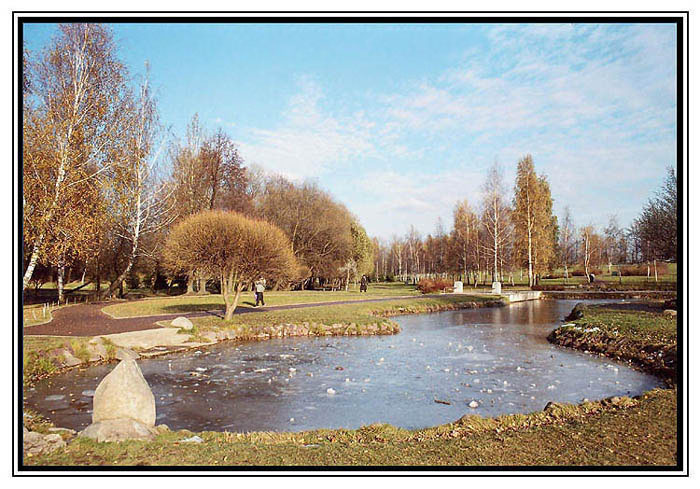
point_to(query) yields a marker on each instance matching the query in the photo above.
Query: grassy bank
(639, 333)
(337, 319)
(183, 304)
(616, 432)
(45, 355)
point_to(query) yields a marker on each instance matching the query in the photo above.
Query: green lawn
(345, 314)
(649, 325)
(633, 433)
(181, 304)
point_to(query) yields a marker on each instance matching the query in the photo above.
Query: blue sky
(399, 122)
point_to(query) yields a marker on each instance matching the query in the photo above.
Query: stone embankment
(608, 294)
(658, 360)
(655, 358)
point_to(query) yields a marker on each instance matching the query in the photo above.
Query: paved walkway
(89, 320)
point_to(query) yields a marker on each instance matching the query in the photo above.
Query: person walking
(363, 284)
(259, 289)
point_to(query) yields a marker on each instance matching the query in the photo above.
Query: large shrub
(428, 286)
(231, 247)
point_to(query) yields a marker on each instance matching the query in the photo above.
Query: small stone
(473, 404)
(193, 439)
(70, 360)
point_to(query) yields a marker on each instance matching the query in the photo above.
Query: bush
(580, 272)
(552, 276)
(427, 286)
(640, 269)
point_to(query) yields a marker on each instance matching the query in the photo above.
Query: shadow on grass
(212, 309)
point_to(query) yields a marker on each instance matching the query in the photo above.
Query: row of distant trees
(498, 240)
(104, 183)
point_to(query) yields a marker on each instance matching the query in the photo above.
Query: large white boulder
(182, 322)
(124, 394)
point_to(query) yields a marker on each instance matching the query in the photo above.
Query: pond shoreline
(100, 351)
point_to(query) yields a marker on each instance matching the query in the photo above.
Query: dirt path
(89, 320)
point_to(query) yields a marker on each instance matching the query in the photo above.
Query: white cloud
(309, 141)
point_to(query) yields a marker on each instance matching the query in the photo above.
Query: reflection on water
(498, 357)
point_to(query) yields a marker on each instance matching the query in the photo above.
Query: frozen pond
(498, 357)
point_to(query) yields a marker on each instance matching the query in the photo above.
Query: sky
(399, 122)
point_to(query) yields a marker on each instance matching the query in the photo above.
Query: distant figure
(363, 284)
(591, 277)
(259, 289)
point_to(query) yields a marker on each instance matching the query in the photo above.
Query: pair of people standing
(259, 288)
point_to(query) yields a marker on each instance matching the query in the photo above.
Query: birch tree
(142, 203)
(495, 215)
(567, 241)
(79, 88)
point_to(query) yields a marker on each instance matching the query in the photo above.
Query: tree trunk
(32, 263)
(98, 285)
(656, 275)
(118, 283)
(529, 251)
(61, 272)
(227, 288)
(190, 284)
(202, 286)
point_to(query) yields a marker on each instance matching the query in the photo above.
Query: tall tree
(567, 241)
(546, 236)
(527, 211)
(141, 201)
(534, 223)
(590, 248)
(79, 87)
(464, 233)
(495, 215)
(611, 240)
(657, 226)
(225, 177)
(317, 226)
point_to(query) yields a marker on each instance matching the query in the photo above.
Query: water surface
(498, 357)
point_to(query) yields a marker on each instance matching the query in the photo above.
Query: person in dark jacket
(363, 284)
